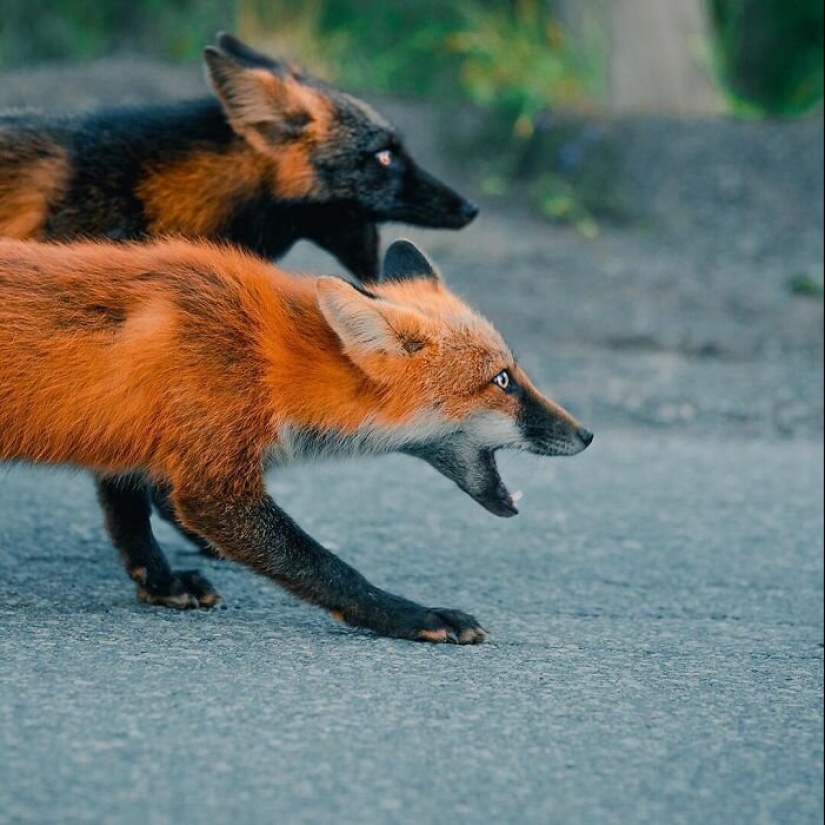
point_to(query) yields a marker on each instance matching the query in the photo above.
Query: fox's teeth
(517, 497)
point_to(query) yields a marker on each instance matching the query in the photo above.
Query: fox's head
(326, 147)
(438, 380)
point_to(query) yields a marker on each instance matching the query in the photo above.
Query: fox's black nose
(469, 211)
(586, 437)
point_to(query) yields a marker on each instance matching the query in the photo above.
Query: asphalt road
(657, 621)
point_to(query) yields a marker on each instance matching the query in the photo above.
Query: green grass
(568, 169)
(54, 30)
(805, 286)
(520, 61)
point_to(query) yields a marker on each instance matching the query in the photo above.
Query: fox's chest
(296, 445)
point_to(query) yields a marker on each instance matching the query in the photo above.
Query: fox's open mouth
(495, 496)
(475, 471)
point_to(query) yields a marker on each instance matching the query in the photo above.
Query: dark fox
(280, 156)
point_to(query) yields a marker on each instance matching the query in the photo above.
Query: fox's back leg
(164, 508)
(127, 507)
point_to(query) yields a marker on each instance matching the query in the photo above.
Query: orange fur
(187, 361)
(192, 196)
(27, 189)
(168, 358)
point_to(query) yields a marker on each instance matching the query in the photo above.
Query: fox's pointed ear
(367, 325)
(260, 101)
(246, 55)
(406, 262)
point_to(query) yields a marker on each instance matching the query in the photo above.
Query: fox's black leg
(256, 532)
(164, 508)
(125, 502)
(356, 244)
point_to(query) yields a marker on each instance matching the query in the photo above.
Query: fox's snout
(426, 201)
(466, 214)
(586, 437)
(548, 429)
(561, 440)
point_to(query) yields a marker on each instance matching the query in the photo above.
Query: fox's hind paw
(184, 591)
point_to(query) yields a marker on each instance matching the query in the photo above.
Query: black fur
(112, 151)
(404, 262)
(261, 535)
(127, 510)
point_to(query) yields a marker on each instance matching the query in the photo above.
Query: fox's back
(35, 170)
(102, 342)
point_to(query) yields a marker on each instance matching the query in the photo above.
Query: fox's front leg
(255, 531)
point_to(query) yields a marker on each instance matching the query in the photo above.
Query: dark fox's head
(327, 147)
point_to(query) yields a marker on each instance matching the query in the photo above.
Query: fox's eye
(504, 381)
(385, 158)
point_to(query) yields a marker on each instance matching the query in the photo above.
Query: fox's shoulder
(162, 125)
(30, 124)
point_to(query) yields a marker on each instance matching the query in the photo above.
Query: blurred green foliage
(512, 55)
(395, 45)
(36, 30)
(513, 58)
(806, 286)
(520, 60)
(770, 53)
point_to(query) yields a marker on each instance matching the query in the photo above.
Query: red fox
(194, 368)
(280, 156)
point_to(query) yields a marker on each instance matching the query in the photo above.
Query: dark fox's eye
(385, 158)
(504, 381)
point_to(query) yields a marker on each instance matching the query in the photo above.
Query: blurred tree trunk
(656, 50)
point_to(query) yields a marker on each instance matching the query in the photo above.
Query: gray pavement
(657, 621)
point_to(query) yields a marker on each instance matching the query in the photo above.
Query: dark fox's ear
(262, 104)
(406, 262)
(246, 55)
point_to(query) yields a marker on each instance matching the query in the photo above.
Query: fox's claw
(451, 627)
(185, 591)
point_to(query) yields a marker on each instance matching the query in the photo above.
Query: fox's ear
(258, 100)
(367, 325)
(246, 55)
(406, 262)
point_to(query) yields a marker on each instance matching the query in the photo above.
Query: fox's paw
(453, 627)
(398, 618)
(435, 625)
(184, 591)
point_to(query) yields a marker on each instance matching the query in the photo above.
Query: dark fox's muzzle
(425, 201)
